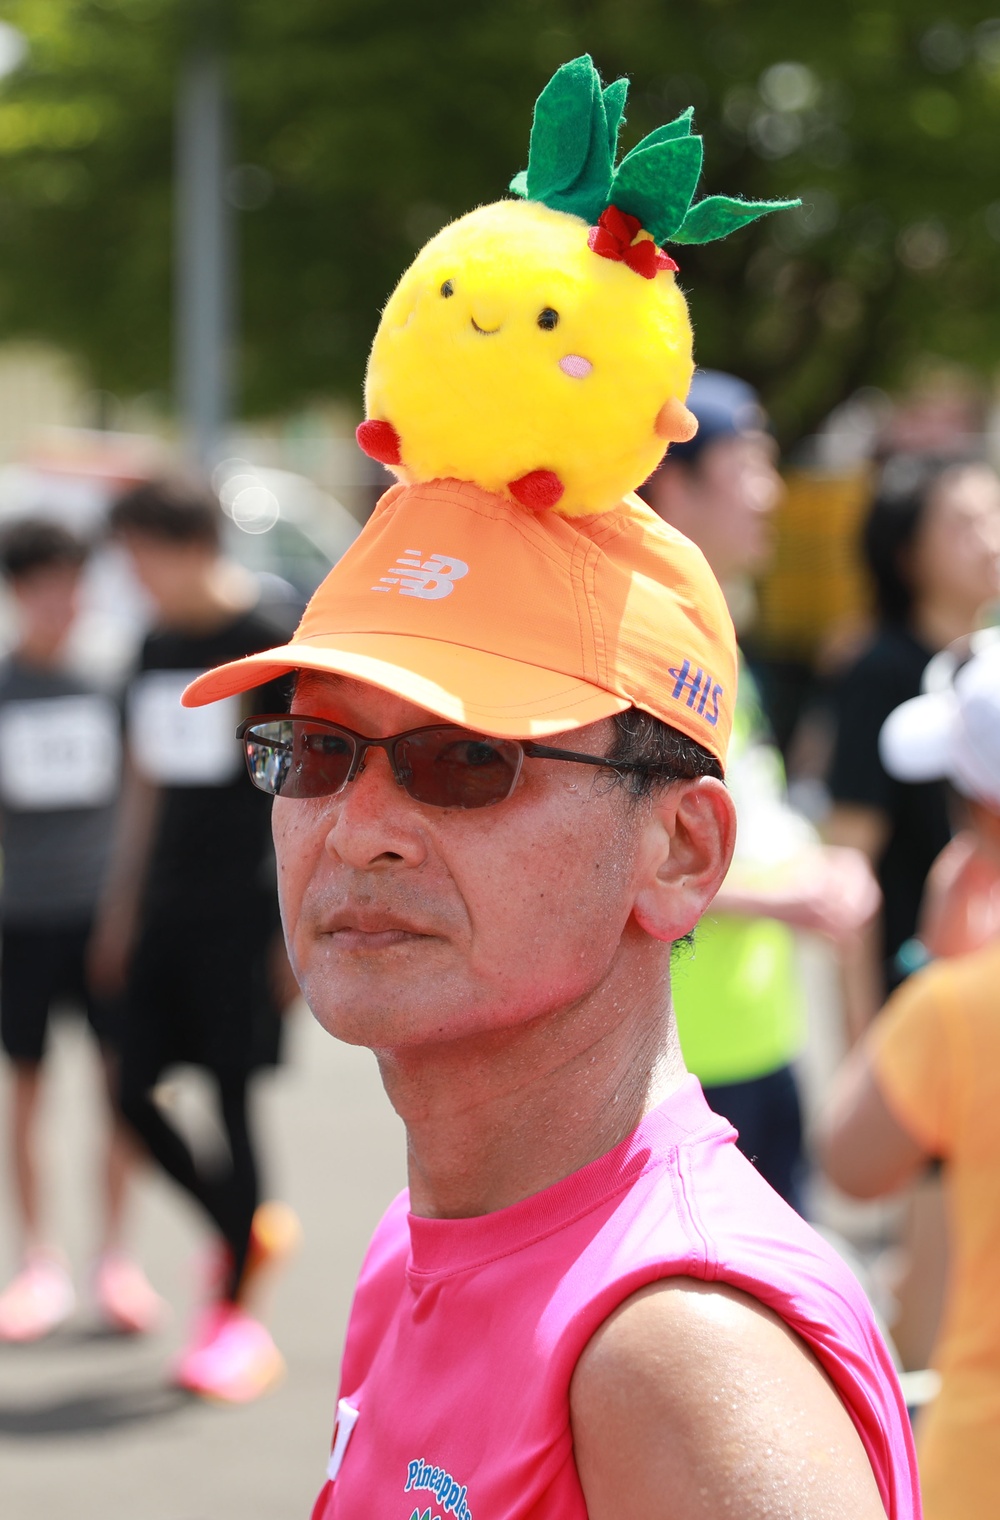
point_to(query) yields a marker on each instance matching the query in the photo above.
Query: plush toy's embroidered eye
(447, 289)
(548, 318)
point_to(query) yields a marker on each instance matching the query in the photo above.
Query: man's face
(408, 924)
(724, 502)
(167, 570)
(47, 601)
(956, 556)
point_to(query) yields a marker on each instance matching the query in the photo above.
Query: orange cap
(513, 623)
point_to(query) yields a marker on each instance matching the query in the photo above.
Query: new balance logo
(703, 691)
(430, 578)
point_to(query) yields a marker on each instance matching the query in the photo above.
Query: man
(739, 1001)
(60, 768)
(189, 920)
(589, 1304)
(925, 1085)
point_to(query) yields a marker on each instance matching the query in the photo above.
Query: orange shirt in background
(936, 1054)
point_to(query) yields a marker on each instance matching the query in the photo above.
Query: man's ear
(686, 850)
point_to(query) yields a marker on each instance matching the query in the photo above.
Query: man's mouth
(369, 929)
(371, 940)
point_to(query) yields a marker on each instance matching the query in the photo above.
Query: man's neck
(494, 1119)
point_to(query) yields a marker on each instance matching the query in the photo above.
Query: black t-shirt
(887, 674)
(212, 854)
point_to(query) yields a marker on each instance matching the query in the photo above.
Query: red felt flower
(613, 238)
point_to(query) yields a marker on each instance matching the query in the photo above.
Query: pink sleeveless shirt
(464, 1333)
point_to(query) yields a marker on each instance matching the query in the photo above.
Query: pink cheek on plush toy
(575, 366)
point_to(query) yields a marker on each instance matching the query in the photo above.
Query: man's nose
(373, 822)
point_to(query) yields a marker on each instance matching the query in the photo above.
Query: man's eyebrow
(305, 680)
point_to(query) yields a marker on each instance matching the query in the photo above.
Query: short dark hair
(172, 508)
(34, 544)
(906, 485)
(656, 754)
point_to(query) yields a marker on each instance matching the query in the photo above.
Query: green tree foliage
(368, 123)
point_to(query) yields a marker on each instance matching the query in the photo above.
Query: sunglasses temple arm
(546, 752)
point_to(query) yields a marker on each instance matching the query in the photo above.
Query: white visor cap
(951, 735)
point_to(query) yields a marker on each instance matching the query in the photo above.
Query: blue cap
(724, 406)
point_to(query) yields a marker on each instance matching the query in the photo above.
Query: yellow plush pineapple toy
(541, 347)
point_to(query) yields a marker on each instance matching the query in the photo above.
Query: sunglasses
(441, 765)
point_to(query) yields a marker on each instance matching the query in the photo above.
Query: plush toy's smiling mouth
(487, 332)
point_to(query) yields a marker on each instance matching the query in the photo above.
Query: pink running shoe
(125, 1297)
(231, 1358)
(38, 1299)
(208, 1322)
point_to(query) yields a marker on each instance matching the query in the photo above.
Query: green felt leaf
(680, 127)
(615, 97)
(657, 184)
(561, 129)
(719, 215)
(570, 157)
(588, 195)
(574, 139)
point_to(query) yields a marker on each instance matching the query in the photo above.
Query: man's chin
(377, 1001)
(402, 1016)
(378, 1027)
(341, 1026)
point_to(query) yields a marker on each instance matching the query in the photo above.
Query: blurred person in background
(188, 926)
(739, 999)
(932, 546)
(925, 1084)
(960, 910)
(60, 771)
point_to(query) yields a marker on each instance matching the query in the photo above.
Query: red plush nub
(538, 489)
(380, 441)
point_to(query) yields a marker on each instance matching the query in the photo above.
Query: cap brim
(500, 696)
(916, 741)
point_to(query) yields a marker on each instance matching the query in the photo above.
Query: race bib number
(59, 752)
(181, 746)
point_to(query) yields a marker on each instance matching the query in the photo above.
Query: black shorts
(39, 967)
(199, 993)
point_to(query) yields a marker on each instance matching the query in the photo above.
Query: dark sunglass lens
(295, 758)
(453, 768)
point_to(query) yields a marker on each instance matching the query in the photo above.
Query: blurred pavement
(88, 1425)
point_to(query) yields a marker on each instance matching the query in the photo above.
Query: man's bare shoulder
(694, 1399)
